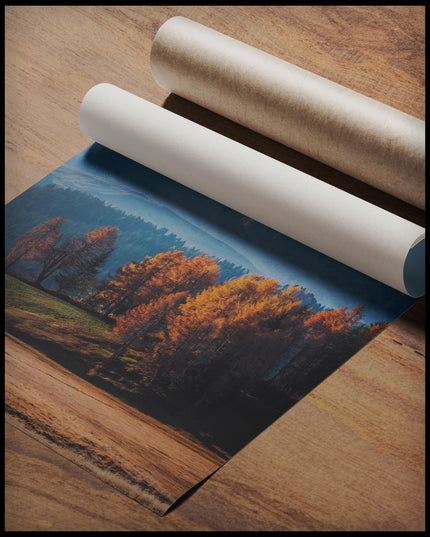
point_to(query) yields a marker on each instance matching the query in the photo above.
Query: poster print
(152, 332)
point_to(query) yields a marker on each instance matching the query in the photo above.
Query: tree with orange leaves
(36, 242)
(145, 318)
(72, 258)
(228, 335)
(327, 323)
(168, 272)
(157, 286)
(86, 255)
(331, 337)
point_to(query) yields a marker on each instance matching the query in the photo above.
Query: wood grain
(350, 455)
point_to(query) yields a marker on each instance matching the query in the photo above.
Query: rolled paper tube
(333, 124)
(352, 231)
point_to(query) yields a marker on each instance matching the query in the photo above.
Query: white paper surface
(350, 230)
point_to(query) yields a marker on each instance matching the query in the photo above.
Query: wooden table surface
(350, 455)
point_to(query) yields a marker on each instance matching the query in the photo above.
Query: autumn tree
(324, 326)
(227, 335)
(122, 291)
(191, 275)
(76, 255)
(87, 255)
(36, 242)
(144, 319)
(168, 272)
(162, 284)
(332, 336)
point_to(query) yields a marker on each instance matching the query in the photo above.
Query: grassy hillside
(51, 312)
(48, 322)
(73, 338)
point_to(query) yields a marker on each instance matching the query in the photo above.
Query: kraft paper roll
(335, 125)
(365, 237)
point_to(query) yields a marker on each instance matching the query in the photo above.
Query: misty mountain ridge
(149, 207)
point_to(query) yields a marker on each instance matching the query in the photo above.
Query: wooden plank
(45, 491)
(350, 455)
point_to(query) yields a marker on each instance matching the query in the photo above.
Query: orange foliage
(329, 322)
(72, 257)
(148, 316)
(77, 255)
(238, 319)
(375, 329)
(85, 250)
(168, 272)
(35, 243)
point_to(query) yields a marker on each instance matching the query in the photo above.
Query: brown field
(148, 461)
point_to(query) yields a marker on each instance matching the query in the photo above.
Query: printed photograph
(151, 333)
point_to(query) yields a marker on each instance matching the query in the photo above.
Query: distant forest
(137, 238)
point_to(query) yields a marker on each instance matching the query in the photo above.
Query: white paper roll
(362, 137)
(348, 229)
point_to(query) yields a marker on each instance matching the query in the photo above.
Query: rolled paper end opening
(414, 270)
